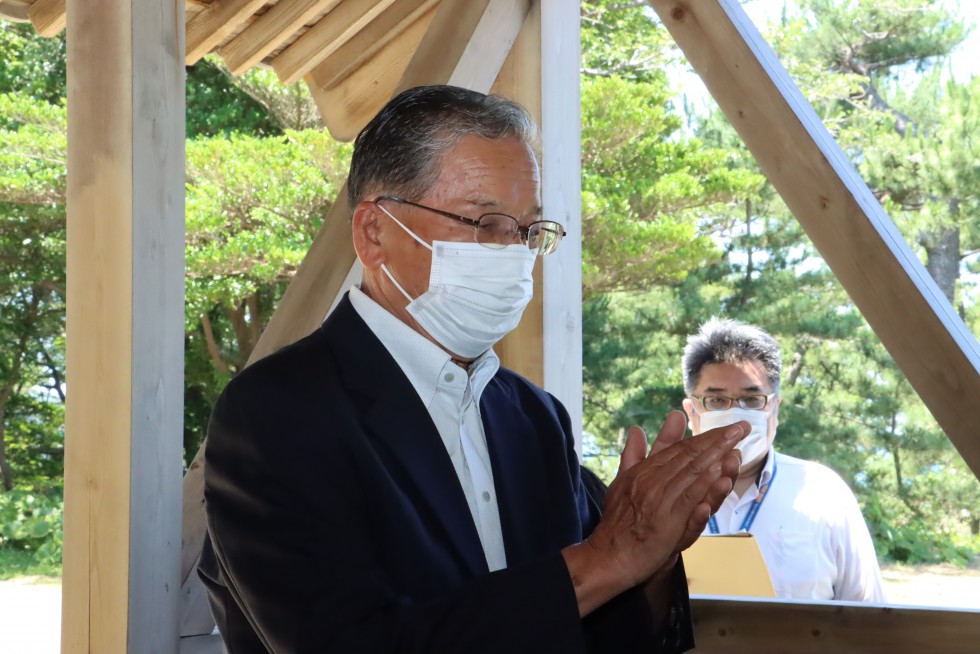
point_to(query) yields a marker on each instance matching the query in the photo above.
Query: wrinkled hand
(660, 502)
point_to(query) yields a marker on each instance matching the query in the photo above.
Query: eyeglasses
(498, 230)
(722, 402)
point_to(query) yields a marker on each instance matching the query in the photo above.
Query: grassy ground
(15, 564)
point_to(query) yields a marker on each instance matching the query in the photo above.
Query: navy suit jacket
(336, 522)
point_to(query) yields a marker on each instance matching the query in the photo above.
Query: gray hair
(730, 341)
(397, 153)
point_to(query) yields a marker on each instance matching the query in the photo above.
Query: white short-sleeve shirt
(811, 532)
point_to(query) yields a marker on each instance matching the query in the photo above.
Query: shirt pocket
(795, 565)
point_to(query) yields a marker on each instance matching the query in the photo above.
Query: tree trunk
(6, 474)
(943, 258)
(897, 460)
(796, 366)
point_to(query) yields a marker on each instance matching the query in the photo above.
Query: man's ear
(366, 227)
(775, 413)
(693, 420)
(688, 407)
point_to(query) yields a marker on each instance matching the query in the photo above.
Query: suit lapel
(404, 433)
(517, 474)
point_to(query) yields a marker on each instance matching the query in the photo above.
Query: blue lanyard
(756, 505)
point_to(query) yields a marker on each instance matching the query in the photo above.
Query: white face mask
(752, 446)
(476, 294)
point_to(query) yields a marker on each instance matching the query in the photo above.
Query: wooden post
(125, 271)
(520, 80)
(561, 190)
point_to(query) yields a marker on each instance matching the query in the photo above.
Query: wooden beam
(346, 107)
(561, 191)
(915, 322)
(751, 626)
(15, 10)
(213, 24)
(269, 31)
(326, 37)
(520, 80)
(125, 332)
(368, 42)
(331, 256)
(48, 16)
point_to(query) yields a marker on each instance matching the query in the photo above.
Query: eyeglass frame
(523, 231)
(735, 400)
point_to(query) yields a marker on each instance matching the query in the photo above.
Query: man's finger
(635, 449)
(671, 432)
(712, 444)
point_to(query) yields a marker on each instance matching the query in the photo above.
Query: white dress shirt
(810, 530)
(452, 398)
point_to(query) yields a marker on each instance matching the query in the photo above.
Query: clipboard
(727, 564)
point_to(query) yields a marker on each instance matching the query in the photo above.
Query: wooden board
(754, 626)
(327, 36)
(215, 23)
(125, 328)
(269, 31)
(520, 80)
(561, 190)
(48, 16)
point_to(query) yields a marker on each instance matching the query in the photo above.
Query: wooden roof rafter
(351, 52)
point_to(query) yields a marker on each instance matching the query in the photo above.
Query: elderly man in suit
(383, 485)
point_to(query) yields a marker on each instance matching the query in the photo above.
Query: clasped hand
(661, 501)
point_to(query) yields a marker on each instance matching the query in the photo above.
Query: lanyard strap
(756, 504)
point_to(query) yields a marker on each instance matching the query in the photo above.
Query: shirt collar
(424, 363)
(767, 469)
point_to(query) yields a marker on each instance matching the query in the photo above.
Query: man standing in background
(805, 518)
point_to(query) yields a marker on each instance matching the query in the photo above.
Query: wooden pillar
(542, 73)
(561, 190)
(125, 325)
(520, 80)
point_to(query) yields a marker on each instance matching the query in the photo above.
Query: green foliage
(622, 39)
(874, 37)
(215, 105)
(16, 564)
(31, 65)
(644, 186)
(253, 206)
(32, 522)
(33, 156)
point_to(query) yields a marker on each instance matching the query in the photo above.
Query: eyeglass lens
(499, 230)
(721, 402)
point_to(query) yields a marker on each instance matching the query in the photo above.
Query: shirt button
(449, 377)
(486, 496)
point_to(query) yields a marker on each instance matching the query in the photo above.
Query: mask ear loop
(394, 281)
(384, 268)
(407, 230)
